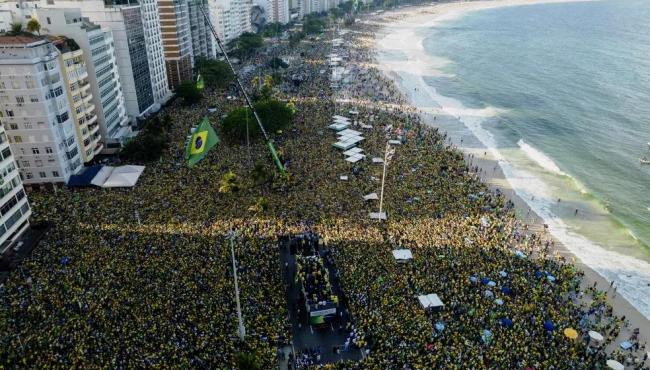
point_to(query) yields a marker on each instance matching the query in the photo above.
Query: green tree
(275, 116)
(273, 29)
(248, 42)
(247, 361)
(149, 145)
(295, 38)
(216, 74)
(188, 91)
(16, 28)
(313, 25)
(33, 26)
(229, 183)
(276, 63)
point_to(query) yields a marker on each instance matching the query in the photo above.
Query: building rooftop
(22, 39)
(64, 44)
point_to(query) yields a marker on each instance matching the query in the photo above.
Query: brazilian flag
(203, 139)
(200, 84)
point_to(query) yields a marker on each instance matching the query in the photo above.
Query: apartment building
(80, 97)
(101, 63)
(231, 18)
(203, 42)
(14, 208)
(177, 40)
(277, 11)
(35, 110)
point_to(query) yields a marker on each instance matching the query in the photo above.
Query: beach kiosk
(430, 301)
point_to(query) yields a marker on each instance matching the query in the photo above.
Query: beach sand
(490, 171)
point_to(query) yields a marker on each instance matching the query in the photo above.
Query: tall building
(277, 11)
(82, 109)
(231, 18)
(35, 110)
(14, 209)
(203, 43)
(177, 41)
(101, 63)
(137, 41)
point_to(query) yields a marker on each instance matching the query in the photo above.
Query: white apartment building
(101, 63)
(203, 43)
(231, 18)
(137, 42)
(14, 209)
(317, 6)
(35, 110)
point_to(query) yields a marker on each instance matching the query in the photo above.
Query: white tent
(430, 301)
(402, 255)
(613, 364)
(596, 336)
(118, 177)
(352, 151)
(394, 142)
(338, 126)
(371, 196)
(377, 160)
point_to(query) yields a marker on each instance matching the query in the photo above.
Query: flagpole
(383, 180)
(241, 330)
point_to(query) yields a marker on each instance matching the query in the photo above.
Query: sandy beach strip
(409, 20)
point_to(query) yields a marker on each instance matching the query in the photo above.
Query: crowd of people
(142, 277)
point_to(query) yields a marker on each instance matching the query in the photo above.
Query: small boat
(648, 143)
(644, 160)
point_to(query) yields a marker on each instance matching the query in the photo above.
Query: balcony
(93, 128)
(89, 108)
(84, 87)
(87, 98)
(98, 148)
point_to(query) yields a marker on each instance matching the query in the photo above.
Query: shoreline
(490, 169)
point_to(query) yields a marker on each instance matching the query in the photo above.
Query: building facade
(231, 18)
(82, 109)
(177, 41)
(101, 63)
(277, 11)
(14, 208)
(203, 42)
(35, 110)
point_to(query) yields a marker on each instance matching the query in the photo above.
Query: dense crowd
(142, 277)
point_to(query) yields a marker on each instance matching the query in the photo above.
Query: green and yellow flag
(200, 84)
(203, 139)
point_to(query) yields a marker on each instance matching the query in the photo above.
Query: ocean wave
(540, 158)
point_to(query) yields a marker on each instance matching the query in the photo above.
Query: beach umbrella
(538, 274)
(440, 326)
(596, 336)
(488, 294)
(520, 254)
(492, 283)
(473, 279)
(550, 278)
(64, 261)
(485, 280)
(506, 322)
(498, 301)
(503, 273)
(506, 290)
(615, 365)
(548, 325)
(570, 333)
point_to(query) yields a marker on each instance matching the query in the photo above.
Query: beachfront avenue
(142, 277)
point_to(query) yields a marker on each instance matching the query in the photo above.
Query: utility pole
(388, 154)
(241, 330)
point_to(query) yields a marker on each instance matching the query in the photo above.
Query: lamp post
(241, 330)
(388, 155)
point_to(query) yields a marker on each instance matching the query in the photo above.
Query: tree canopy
(273, 29)
(248, 42)
(189, 92)
(275, 115)
(150, 143)
(33, 26)
(216, 73)
(313, 25)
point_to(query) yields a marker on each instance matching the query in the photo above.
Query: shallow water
(560, 95)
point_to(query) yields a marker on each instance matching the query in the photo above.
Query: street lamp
(241, 330)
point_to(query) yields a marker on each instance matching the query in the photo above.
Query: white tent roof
(349, 131)
(613, 364)
(596, 336)
(344, 145)
(101, 176)
(354, 150)
(371, 196)
(430, 300)
(119, 177)
(403, 255)
(394, 142)
(355, 158)
(338, 126)
(377, 160)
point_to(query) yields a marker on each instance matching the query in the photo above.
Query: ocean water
(560, 95)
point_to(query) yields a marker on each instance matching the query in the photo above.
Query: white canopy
(352, 151)
(343, 177)
(371, 196)
(403, 255)
(338, 126)
(377, 160)
(339, 117)
(355, 158)
(613, 364)
(348, 131)
(118, 177)
(394, 142)
(595, 336)
(430, 300)
(344, 145)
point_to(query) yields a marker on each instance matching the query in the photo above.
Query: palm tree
(229, 183)
(16, 28)
(34, 26)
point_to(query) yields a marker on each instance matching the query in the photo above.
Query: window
(10, 113)
(49, 21)
(25, 163)
(33, 98)
(28, 126)
(18, 139)
(55, 174)
(62, 117)
(36, 151)
(42, 175)
(6, 153)
(29, 175)
(38, 163)
(13, 126)
(20, 99)
(48, 150)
